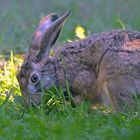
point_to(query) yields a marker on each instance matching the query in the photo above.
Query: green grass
(58, 120)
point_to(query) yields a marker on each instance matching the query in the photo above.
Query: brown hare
(103, 67)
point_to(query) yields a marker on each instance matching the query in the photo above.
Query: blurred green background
(19, 18)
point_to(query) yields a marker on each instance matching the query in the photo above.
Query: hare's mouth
(35, 100)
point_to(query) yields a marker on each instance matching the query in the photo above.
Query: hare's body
(104, 67)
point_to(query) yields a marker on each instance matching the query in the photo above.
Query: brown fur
(104, 67)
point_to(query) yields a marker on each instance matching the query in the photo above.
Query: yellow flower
(52, 52)
(80, 32)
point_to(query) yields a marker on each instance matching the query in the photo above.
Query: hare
(103, 67)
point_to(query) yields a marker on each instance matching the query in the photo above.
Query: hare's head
(36, 73)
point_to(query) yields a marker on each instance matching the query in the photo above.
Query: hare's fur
(104, 67)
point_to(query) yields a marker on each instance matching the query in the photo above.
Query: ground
(18, 20)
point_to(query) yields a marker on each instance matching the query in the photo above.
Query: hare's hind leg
(122, 92)
(119, 90)
(118, 81)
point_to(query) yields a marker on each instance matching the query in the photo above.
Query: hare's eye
(34, 78)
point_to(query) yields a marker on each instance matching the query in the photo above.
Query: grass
(59, 120)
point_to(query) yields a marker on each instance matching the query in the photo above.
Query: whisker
(33, 103)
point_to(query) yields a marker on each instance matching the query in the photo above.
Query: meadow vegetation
(56, 119)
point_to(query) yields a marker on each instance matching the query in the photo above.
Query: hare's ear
(46, 35)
